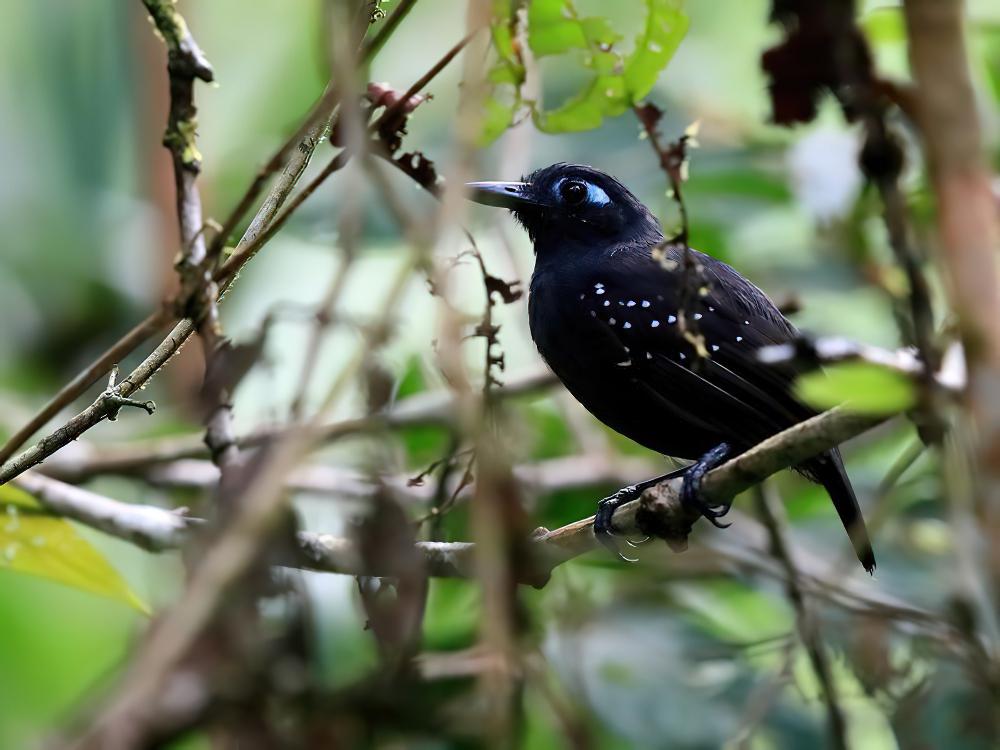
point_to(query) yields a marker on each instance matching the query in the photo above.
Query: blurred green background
(648, 656)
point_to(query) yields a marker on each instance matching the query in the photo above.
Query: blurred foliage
(863, 387)
(34, 542)
(639, 656)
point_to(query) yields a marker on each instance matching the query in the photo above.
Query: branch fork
(113, 401)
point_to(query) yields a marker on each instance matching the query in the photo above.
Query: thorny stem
(673, 163)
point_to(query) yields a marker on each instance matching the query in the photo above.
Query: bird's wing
(727, 389)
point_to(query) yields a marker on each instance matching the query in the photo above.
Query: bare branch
(969, 227)
(660, 508)
(147, 526)
(432, 407)
(772, 514)
(86, 378)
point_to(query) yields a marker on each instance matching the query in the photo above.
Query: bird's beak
(511, 195)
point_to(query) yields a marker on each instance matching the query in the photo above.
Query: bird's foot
(604, 529)
(691, 485)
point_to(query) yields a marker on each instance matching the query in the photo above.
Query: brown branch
(660, 507)
(86, 378)
(197, 298)
(292, 158)
(97, 411)
(180, 333)
(260, 231)
(738, 549)
(432, 407)
(969, 228)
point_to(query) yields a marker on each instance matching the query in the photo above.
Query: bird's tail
(829, 471)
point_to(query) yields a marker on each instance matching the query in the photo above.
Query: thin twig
(428, 408)
(86, 378)
(770, 510)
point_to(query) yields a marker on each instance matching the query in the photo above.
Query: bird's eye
(573, 192)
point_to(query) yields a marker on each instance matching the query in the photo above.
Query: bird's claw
(691, 487)
(604, 529)
(637, 544)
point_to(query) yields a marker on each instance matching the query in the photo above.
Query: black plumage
(606, 315)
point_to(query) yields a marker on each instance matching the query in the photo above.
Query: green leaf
(597, 31)
(884, 26)
(503, 40)
(604, 97)
(553, 28)
(33, 542)
(618, 83)
(497, 117)
(666, 25)
(861, 386)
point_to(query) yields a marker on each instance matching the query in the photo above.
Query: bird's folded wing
(706, 358)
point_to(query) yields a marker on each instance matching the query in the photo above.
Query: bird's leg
(603, 529)
(691, 486)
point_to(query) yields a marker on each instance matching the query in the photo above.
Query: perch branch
(659, 507)
(157, 529)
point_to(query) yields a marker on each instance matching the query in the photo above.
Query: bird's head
(569, 207)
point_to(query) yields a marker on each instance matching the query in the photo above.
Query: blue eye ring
(576, 192)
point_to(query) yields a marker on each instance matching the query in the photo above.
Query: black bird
(605, 310)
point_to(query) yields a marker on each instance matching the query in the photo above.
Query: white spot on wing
(698, 316)
(655, 324)
(671, 319)
(611, 321)
(627, 325)
(645, 303)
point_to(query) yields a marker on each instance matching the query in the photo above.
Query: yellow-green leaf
(33, 542)
(553, 28)
(497, 117)
(666, 25)
(604, 97)
(884, 26)
(860, 386)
